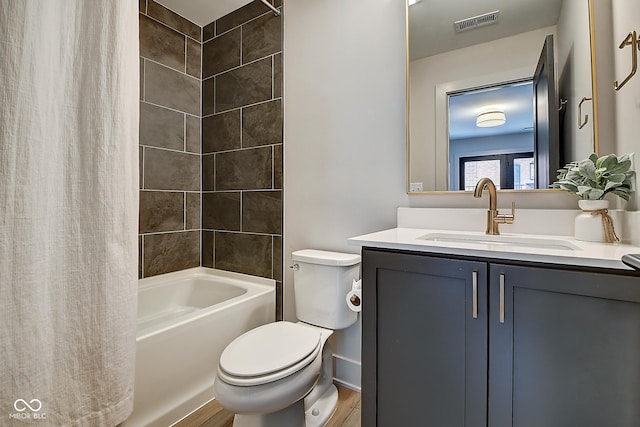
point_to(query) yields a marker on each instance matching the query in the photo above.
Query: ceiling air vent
(476, 21)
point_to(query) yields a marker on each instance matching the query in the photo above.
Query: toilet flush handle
(294, 267)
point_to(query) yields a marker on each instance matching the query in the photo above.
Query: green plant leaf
(574, 175)
(587, 169)
(583, 190)
(621, 167)
(607, 162)
(571, 188)
(595, 194)
(616, 177)
(610, 185)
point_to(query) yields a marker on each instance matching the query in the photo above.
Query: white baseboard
(347, 372)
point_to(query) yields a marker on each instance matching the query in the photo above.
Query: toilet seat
(269, 353)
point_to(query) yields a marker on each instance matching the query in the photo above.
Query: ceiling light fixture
(491, 118)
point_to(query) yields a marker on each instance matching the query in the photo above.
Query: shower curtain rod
(270, 6)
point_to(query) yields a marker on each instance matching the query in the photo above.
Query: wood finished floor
(213, 415)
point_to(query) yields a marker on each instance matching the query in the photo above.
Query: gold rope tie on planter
(607, 225)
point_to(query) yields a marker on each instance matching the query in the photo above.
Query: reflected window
(473, 170)
(507, 171)
(524, 173)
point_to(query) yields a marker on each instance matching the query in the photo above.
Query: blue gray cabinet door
(568, 352)
(424, 348)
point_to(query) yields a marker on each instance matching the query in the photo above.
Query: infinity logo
(21, 405)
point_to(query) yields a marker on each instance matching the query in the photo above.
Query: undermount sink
(521, 241)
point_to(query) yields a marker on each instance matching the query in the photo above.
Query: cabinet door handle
(475, 294)
(501, 297)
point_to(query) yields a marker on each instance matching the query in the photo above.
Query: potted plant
(591, 180)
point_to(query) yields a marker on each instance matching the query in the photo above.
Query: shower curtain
(69, 84)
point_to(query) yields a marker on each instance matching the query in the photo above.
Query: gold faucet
(493, 216)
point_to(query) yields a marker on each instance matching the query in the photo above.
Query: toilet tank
(321, 282)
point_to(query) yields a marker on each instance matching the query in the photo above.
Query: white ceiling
(431, 28)
(203, 12)
(431, 31)
(515, 100)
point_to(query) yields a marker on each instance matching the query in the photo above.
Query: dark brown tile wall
(211, 142)
(170, 141)
(167, 252)
(242, 144)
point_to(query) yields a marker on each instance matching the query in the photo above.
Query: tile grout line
(168, 108)
(241, 125)
(170, 68)
(173, 150)
(238, 66)
(234, 150)
(213, 250)
(170, 27)
(239, 25)
(157, 233)
(253, 104)
(141, 254)
(252, 233)
(162, 190)
(144, 78)
(256, 190)
(200, 140)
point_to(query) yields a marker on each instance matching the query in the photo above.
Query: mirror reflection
(486, 83)
(483, 141)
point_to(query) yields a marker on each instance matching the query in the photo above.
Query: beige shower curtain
(68, 210)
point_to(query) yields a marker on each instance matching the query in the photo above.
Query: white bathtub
(185, 320)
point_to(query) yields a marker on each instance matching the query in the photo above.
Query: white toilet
(281, 374)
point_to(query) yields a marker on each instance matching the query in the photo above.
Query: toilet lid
(268, 353)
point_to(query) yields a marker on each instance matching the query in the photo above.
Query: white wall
(603, 54)
(344, 150)
(626, 18)
(574, 77)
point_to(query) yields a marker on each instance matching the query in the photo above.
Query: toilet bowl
(281, 374)
(266, 387)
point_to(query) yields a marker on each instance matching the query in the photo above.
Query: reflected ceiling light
(412, 2)
(490, 118)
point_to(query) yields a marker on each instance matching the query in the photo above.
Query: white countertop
(603, 255)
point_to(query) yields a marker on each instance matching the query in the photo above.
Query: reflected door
(546, 127)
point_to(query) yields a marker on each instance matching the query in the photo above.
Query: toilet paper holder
(355, 300)
(354, 296)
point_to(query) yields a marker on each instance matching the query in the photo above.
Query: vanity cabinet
(424, 350)
(568, 352)
(453, 341)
